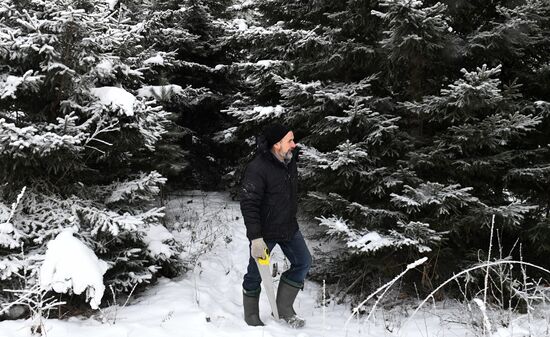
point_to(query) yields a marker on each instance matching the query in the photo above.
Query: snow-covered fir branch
(416, 235)
(445, 199)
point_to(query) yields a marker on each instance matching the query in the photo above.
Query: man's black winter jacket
(269, 198)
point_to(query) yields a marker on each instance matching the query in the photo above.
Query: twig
(487, 279)
(385, 287)
(489, 264)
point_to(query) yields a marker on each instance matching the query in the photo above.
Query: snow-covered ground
(206, 301)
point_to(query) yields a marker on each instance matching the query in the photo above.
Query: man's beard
(288, 156)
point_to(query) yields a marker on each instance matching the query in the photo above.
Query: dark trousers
(295, 251)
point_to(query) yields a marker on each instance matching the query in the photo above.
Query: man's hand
(258, 248)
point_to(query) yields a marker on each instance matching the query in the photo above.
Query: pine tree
(517, 38)
(480, 134)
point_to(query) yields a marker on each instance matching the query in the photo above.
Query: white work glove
(258, 248)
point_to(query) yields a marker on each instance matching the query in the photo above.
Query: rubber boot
(252, 310)
(286, 294)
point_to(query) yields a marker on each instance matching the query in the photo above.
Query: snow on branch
(258, 65)
(347, 159)
(168, 92)
(225, 136)
(311, 159)
(133, 242)
(302, 99)
(413, 234)
(373, 241)
(147, 118)
(257, 114)
(336, 226)
(159, 242)
(479, 83)
(346, 154)
(38, 139)
(108, 68)
(445, 199)
(71, 267)
(144, 188)
(10, 84)
(10, 266)
(151, 122)
(161, 92)
(493, 132)
(373, 215)
(512, 215)
(374, 126)
(312, 93)
(242, 31)
(117, 97)
(420, 234)
(535, 173)
(115, 223)
(10, 237)
(163, 59)
(477, 90)
(101, 124)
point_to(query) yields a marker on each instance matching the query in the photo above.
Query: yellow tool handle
(266, 260)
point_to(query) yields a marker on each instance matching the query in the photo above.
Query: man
(269, 205)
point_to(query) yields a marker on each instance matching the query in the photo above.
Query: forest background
(421, 124)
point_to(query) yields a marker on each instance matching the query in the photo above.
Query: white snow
(258, 113)
(104, 68)
(225, 136)
(10, 266)
(7, 239)
(10, 86)
(371, 241)
(155, 60)
(131, 189)
(517, 332)
(71, 266)
(111, 3)
(241, 24)
(116, 96)
(266, 63)
(242, 5)
(336, 225)
(151, 91)
(263, 112)
(155, 237)
(207, 301)
(9, 236)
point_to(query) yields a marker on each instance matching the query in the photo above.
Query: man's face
(285, 146)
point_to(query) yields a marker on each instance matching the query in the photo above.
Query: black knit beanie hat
(274, 133)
